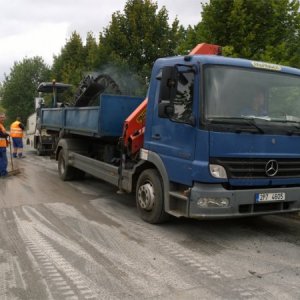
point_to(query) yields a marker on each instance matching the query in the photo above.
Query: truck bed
(105, 120)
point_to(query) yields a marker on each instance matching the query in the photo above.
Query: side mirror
(167, 93)
(168, 86)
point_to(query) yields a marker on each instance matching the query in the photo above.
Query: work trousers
(3, 162)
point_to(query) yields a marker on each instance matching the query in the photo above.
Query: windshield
(239, 93)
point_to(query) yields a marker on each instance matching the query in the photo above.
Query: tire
(78, 174)
(149, 197)
(39, 149)
(65, 171)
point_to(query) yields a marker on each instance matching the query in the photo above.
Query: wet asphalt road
(81, 240)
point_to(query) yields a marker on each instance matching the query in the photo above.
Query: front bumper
(241, 202)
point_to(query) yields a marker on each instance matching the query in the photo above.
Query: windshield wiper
(253, 123)
(294, 124)
(240, 121)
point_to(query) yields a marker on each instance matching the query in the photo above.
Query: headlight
(213, 202)
(217, 171)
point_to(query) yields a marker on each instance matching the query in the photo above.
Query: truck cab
(219, 159)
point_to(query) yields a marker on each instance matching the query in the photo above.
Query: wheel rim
(146, 197)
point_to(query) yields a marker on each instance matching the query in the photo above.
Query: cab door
(173, 131)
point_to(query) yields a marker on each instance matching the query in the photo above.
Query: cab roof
(47, 87)
(227, 61)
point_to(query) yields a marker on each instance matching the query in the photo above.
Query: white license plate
(261, 197)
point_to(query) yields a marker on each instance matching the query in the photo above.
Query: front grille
(256, 168)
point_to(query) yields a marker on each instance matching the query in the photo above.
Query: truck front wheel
(149, 197)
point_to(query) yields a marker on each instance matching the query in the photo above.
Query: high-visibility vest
(3, 141)
(15, 130)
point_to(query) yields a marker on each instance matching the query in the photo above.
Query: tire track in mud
(43, 239)
(154, 236)
(160, 252)
(52, 232)
(17, 274)
(139, 269)
(64, 280)
(67, 237)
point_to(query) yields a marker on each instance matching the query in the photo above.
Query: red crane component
(206, 49)
(134, 125)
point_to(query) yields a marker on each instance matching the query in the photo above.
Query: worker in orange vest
(16, 132)
(3, 144)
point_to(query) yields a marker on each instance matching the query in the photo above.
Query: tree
(69, 66)
(135, 38)
(19, 87)
(189, 39)
(258, 29)
(91, 52)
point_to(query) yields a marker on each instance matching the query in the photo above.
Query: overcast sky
(41, 27)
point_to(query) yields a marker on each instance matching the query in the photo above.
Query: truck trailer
(191, 148)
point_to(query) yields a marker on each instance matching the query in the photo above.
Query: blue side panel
(113, 112)
(83, 119)
(105, 120)
(52, 117)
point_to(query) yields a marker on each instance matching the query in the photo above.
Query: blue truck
(201, 154)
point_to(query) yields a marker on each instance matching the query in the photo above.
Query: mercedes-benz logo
(271, 168)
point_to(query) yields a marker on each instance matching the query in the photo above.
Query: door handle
(156, 136)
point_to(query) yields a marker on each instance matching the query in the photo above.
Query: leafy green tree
(91, 52)
(189, 39)
(258, 29)
(135, 38)
(19, 87)
(69, 65)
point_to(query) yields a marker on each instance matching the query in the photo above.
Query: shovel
(13, 171)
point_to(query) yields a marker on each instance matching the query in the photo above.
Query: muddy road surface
(81, 240)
